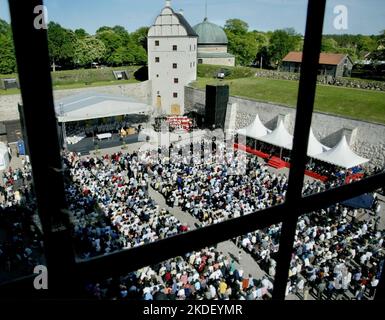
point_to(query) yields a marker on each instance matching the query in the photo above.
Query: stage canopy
(93, 105)
(342, 156)
(280, 137)
(255, 130)
(364, 201)
(315, 147)
(4, 157)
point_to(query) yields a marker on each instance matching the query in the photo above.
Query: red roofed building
(330, 64)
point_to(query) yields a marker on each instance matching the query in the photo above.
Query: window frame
(66, 272)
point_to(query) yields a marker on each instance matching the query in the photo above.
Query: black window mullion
(31, 48)
(38, 108)
(133, 259)
(305, 105)
(153, 253)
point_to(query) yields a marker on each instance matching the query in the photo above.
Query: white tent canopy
(97, 105)
(255, 130)
(315, 147)
(280, 137)
(341, 155)
(4, 157)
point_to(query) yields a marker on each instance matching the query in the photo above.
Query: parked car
(222, 73)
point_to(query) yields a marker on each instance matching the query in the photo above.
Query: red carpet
(278, 163)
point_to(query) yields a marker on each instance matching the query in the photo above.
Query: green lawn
(81, 78)
(353, 103)
(76, 86)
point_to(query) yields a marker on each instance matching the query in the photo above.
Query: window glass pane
(111, 204)
(346, 141)
(238, 269)
(21, 244)
(340, 250)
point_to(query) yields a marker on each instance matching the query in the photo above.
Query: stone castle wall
(367, 139)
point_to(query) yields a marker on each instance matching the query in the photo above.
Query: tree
(7, 55)
(236, 26)
(5, 28)
(81, 33)
(140, 55)
(379, 53)
(243, 47)
(111, 40)
(102, 29)
(281, 43)
(242, 43)
(262, 40)
(140, 37)
(122, 33)
(61, 45)
(88, 50)
(120, 57)
(7, 52)
(329, 45)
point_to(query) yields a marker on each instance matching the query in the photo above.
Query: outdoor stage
(89, 144)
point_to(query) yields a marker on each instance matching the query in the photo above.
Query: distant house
(330, 64)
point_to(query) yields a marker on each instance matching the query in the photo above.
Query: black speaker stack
(217, 98)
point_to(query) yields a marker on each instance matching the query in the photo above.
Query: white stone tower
(172, 60)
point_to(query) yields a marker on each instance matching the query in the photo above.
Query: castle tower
(172, 59)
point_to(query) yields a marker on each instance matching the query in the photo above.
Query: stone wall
(339, 81)
(367, 139)
(140, 91)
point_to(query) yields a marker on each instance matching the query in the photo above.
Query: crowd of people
(204, 275)
(209, 189)
(21, 241)
(337, 254)
(110, 206)
(325, 237)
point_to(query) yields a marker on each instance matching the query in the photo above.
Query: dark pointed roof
(190, 31)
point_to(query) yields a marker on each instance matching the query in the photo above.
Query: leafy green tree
(140, 55)
(112, 41)
(242, 43)
(88, 50)
(329, 45)
(243, 47)
(61, 45)
(236, 26)
(5, 28)
(7, 52)
(81, 33)
(140, 37)
(379, 53)
(262, 40)
(102, 29)
(123, 34)
(281, 43)
(7, 55)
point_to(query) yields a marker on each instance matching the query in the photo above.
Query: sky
(363, 16)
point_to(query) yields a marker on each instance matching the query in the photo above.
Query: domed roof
(210, 33)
